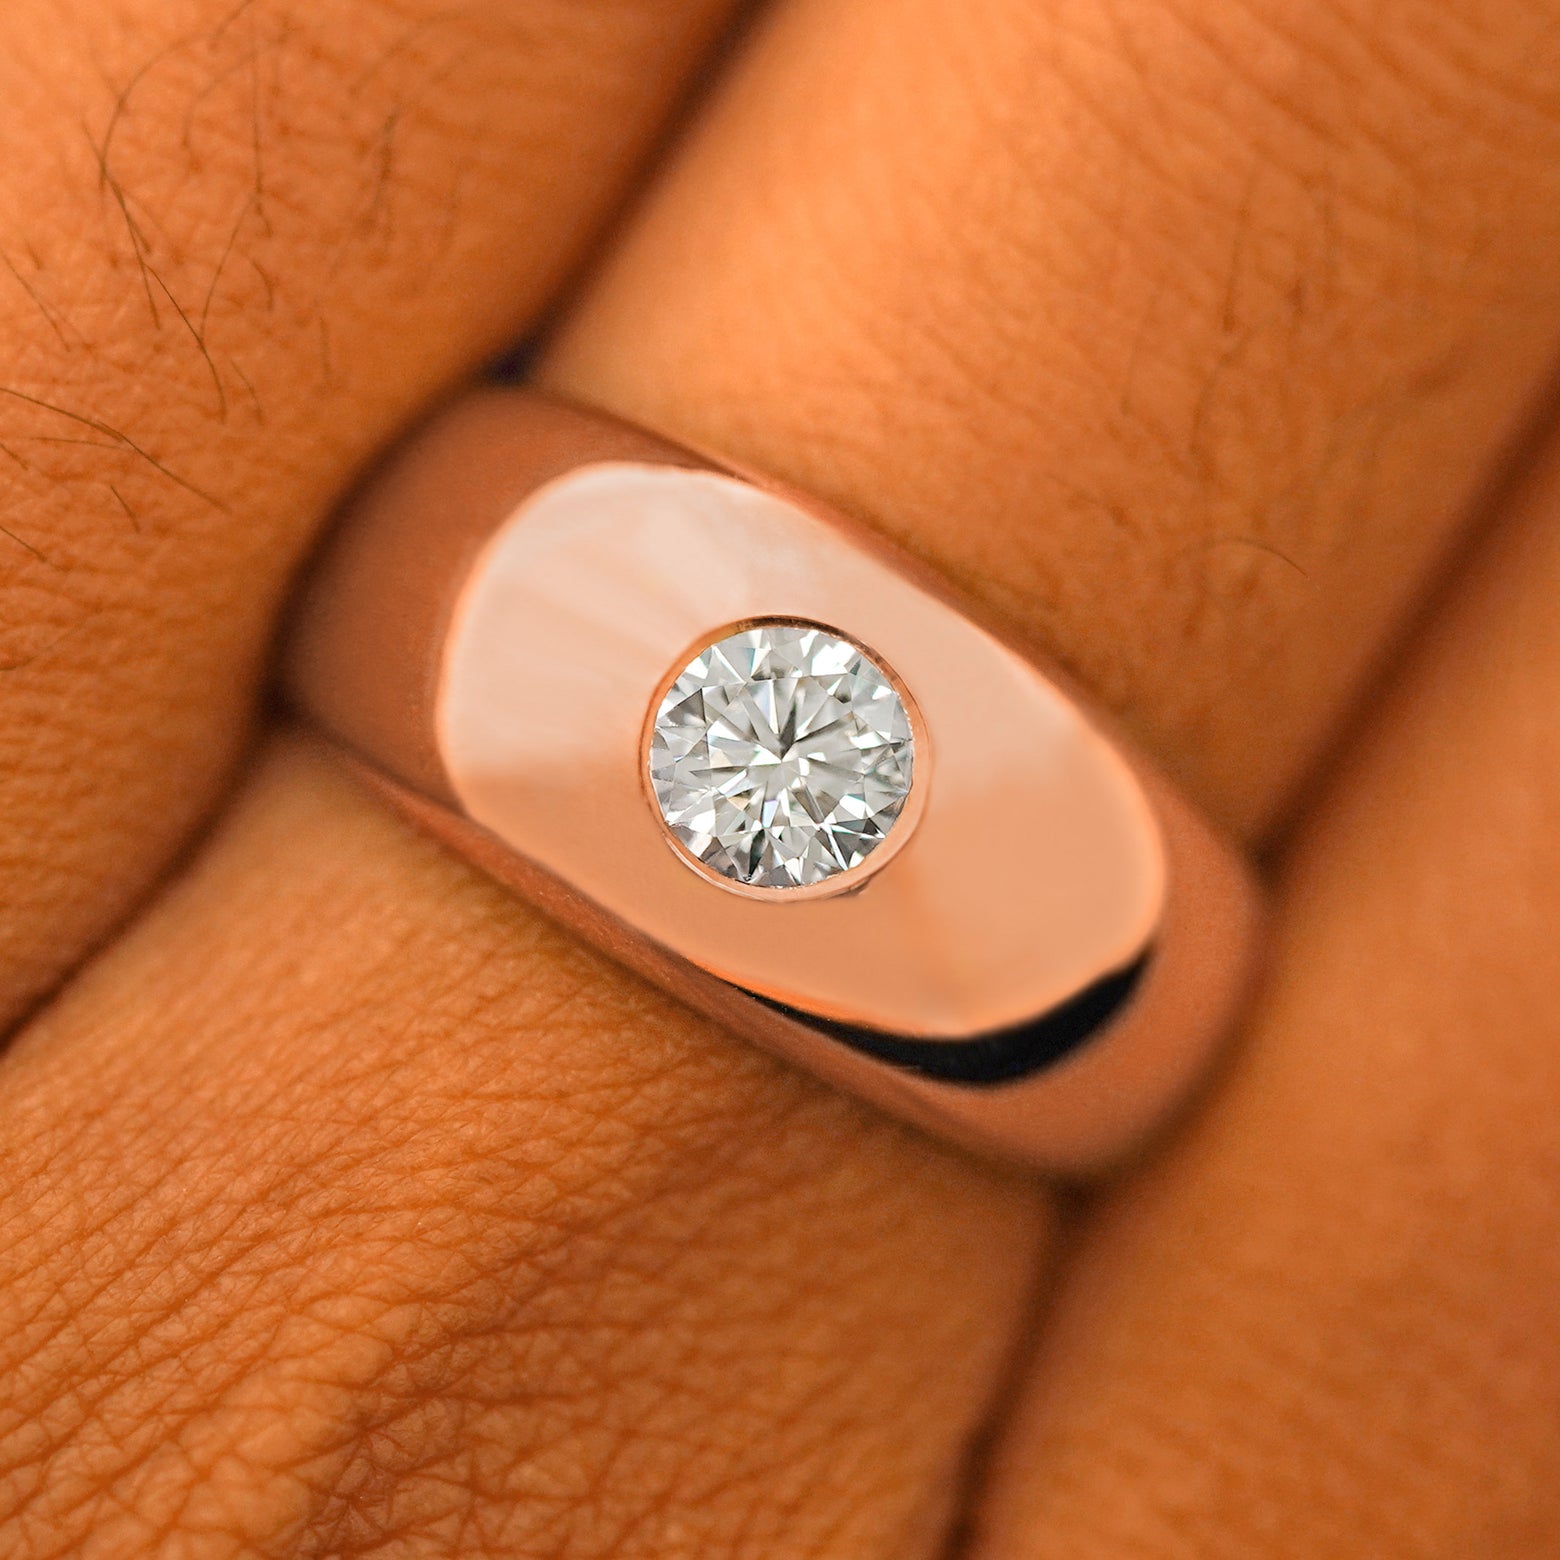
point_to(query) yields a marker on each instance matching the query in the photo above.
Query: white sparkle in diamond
(781, 756)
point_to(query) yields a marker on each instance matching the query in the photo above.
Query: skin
(347, 1207)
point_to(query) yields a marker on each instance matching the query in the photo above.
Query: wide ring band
(521, 635)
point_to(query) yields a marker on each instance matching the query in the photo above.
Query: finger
(1182, 334)
(242, 242)
(350, 1204)
(1325, 1324)
(919, 1316)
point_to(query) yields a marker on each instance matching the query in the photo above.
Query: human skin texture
(347, 1207)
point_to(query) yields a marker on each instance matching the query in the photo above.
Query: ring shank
(369, 661)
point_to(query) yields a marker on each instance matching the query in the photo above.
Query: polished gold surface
(500, 611)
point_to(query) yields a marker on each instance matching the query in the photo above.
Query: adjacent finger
(350, 1206)
(1326, 1324)
(1182, 334)
(238, 245)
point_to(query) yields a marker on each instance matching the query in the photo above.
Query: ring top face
(780, 757)
(607, 588)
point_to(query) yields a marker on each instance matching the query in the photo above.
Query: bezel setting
(896, 819)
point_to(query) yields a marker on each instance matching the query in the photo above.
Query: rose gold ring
(750, 750)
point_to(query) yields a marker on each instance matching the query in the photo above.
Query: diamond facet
(781, 755)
